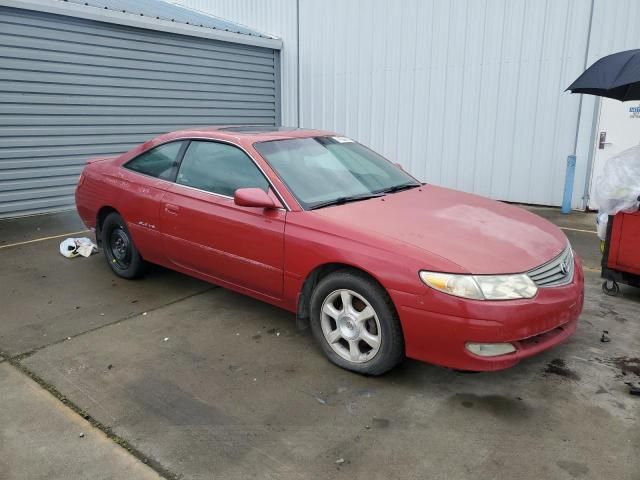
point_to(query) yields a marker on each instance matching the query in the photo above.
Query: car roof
(244, 133)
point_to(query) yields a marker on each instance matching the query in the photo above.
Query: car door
(205, 231)
(145, 180)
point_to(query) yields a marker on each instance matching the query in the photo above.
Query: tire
(119, 250)
(612, 290)
(366, 337)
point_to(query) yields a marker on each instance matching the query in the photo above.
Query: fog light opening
(490, 349)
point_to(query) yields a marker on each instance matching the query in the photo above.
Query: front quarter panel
(312, 241)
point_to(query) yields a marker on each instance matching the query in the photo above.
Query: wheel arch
(303, 308)
(102, 214)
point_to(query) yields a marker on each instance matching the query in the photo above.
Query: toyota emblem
(564, 267)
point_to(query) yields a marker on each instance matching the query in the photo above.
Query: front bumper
(437, 326)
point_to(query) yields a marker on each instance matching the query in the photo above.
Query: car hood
(480, 235)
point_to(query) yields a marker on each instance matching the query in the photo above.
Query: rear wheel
(354, 322)
(119, 250)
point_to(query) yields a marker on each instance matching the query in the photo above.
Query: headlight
(458, 285)
(482, 287)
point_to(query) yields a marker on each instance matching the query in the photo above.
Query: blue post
(568, 184)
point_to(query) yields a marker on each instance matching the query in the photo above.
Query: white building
(464, 93)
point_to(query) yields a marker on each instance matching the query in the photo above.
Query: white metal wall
(615, 27)
(464, 93)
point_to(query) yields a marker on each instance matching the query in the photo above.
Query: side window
(160, 162)
(219, 168)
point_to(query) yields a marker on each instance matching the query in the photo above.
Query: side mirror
(253, 197)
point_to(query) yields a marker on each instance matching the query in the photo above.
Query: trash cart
(618, 76)
(621, 255)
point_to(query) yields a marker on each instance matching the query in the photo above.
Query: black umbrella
(614, 76)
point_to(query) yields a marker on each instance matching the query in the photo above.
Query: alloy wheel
(350, 326)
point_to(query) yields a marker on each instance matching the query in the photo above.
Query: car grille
(557, 271)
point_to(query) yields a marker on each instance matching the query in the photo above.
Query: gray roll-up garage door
(72, 88)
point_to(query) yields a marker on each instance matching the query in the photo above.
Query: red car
(380, 265)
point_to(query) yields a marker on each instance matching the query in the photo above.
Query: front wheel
(355, 323)
(121, 254)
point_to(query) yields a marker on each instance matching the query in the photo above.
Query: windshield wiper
(342, 200)
(398, 188)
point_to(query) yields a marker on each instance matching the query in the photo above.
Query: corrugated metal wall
(464, 93)
(273, 17)
(72, 88)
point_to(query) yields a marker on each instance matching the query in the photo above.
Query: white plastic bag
(72, 247)
(618, 186)
(601, 223)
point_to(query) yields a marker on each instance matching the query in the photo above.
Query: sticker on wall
(343, 140)
(634, 112)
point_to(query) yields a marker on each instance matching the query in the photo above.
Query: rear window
(160, 162)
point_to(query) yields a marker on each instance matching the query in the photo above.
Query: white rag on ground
(72, 247)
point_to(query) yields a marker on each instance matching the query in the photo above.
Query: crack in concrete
(15, 361)
(21, 356)
(108, 431)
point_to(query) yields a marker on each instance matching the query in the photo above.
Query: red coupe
(380, 265)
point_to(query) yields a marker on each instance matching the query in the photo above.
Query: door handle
(602, 141)
(172, 209)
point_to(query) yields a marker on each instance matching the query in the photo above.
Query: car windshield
(322, 171)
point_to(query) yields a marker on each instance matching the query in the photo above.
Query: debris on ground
(627, 364)
(165, 339)
(605, 337)
(81, 435)
(72, 247)
(559, 367)
(340, 461)
(320, 400)
(366, 393)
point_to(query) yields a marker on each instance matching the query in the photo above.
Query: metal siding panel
(465, 94)
(127, 38)
(105, 89)
(167, 11)
(277, 69)
(277, 17)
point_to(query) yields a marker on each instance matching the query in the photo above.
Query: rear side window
(219, 168)
(160, 162)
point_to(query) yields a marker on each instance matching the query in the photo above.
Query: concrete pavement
(41, 438)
